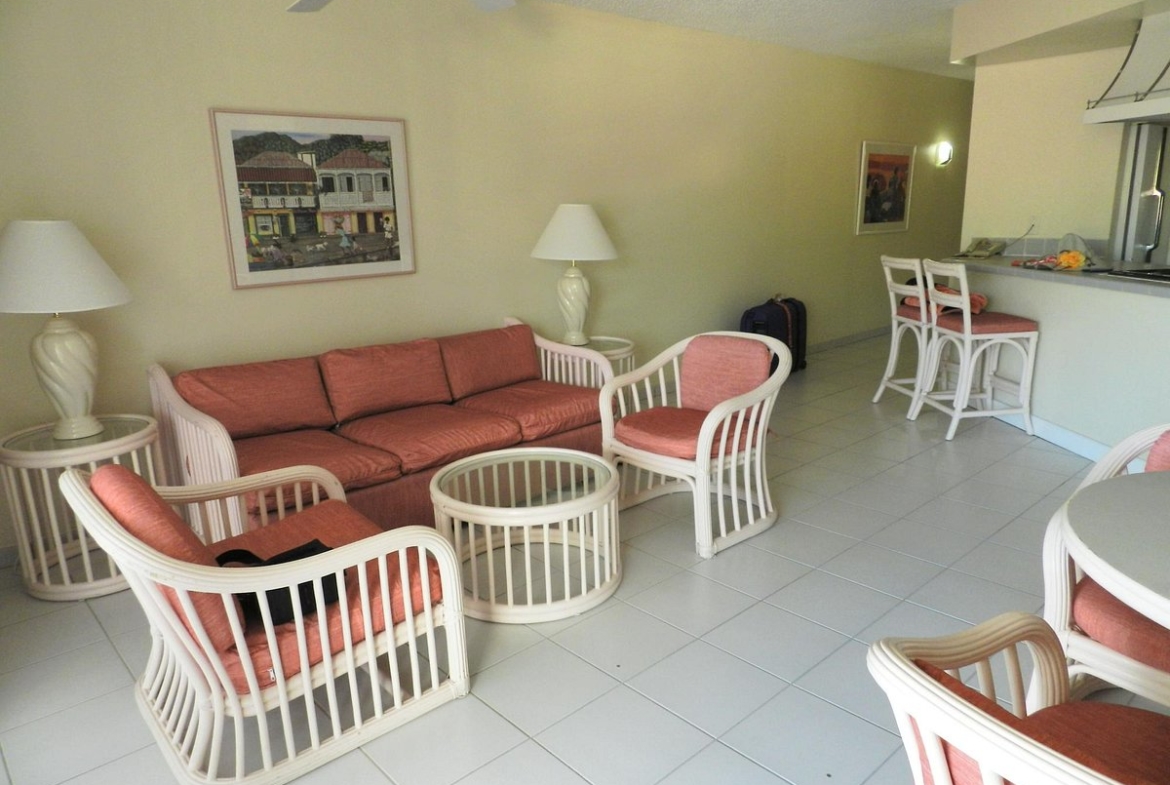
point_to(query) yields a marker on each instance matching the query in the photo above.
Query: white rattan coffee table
(536, 529)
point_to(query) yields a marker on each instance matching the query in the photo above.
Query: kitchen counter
(1002, 265)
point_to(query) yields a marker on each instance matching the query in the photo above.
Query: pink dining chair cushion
(426, 436)
(1158, 459)
(1122, 742)
(335, 524)
(542, 408)
(716, 368)
(144, 515)
(906, 311)
(374, 379)
(667, 430)
(988, 323)
(489, 359)
(1112, 623)
(253, 399)
(354, 465)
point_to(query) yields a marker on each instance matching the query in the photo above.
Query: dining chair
(235, 697)
(908, 316)
(1107, 642)
(695, 419)
(977, 339)
(960, 706)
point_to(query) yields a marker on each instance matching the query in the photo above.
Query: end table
(57, 560)
(620, 351)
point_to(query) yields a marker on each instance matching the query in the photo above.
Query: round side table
(620, 351)
(58, 561)
(536, 529)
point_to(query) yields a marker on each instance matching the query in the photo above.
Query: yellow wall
(725, 170)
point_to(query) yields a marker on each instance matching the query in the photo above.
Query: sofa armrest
(576, 365)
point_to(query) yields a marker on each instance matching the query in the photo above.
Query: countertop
(1002, 265)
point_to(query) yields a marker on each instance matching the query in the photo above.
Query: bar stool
(977, 339)
(905, 319)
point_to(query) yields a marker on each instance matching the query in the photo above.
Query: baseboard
(1061, 437)
(836, 342)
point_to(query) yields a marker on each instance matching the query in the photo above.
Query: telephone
(981, 247)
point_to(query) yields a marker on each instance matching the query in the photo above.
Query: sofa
(383, 419)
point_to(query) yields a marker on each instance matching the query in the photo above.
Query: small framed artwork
(883, 192)
(313, 197)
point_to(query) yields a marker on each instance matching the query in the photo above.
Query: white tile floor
(748, 668)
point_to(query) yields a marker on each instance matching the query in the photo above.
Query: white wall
(725, 171)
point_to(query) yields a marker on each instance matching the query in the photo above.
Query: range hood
(1141, 90)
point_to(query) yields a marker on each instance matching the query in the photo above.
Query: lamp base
(573, 298)
(65, 359)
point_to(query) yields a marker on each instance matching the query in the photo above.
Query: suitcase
(783, 318)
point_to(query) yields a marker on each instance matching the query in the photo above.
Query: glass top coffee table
(536, 529)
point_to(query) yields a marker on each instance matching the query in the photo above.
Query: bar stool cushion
(988, 322)
(1112, 623)
(907, 311)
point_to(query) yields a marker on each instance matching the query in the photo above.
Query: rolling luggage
(783, 318)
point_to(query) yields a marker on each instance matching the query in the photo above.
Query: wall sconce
(944, 153)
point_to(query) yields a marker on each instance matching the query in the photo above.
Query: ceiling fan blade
(493, 5)
(308, 5)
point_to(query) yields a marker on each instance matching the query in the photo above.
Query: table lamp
(49, 267)
(574, 234)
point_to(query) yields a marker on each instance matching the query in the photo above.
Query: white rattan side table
(536, 530)
(58, 561)
(619, 351)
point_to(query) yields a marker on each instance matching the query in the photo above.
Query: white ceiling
(911, 34)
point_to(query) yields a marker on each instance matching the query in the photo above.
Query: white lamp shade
(49, 267)
(574, 234)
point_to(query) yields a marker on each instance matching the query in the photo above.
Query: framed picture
(883, 192)
(313, 197)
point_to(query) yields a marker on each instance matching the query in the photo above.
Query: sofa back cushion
(373, 379)
(144, 514)
(253, 399)
(489, 359)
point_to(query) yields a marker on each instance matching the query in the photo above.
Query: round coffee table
(536, 529)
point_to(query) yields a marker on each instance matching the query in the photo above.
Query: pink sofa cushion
(258, 398)
(144, 515)
(542, 408)
(335, 524)
(425, 436)
(718, 367)
(667, 430)
(1122, 742)
(489, 359)
(373, 379)
(1158, 459)
(354, 465)
(1112, 623)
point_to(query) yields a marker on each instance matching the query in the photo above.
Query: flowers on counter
(1065, 260)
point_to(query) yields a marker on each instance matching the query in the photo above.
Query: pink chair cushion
(988, 322)
(1122, 742)
(425, 436)
(716, 368)
(354, 465)
(489, 359)
(1112, 623)
(542, 408)
(145, 516)
(335, 524)
(1158, 459)
(374, 379)
(258, 398)
(907, 311)
(667, 430)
